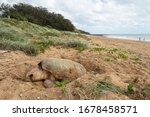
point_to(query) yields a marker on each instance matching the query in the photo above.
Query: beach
(139, 47)
(117, 69)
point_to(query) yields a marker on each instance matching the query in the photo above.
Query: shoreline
(126, 38)
(139, 38)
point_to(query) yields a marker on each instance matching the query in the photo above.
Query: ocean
(137, 37)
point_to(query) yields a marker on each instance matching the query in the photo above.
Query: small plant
(80, 49)
(108, 59)
(129, 89)
(62, 85)
(136, 59)
(41, 45)
(146, 90)
(99, 49)
(44, 44)
(112, 50)
(123, 55)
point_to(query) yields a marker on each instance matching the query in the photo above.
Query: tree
(37, 15)
(5, 10)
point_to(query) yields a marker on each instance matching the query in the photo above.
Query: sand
(120, 72)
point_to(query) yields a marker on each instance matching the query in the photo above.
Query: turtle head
(36, 75)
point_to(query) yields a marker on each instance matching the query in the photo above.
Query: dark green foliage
(83, 32)
(4, 10)
(37, 15)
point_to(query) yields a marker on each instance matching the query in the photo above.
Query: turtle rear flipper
(48, 83)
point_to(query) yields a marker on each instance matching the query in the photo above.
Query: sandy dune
(101, 66)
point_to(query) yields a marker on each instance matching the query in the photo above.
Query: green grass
(99, 49)
(33, 39)
(112, 50)
(129, 89)
(113, 53)
(108, 87)
(146, 90)
(77, 44)
(61, 85)
(123, 55)
(43, 44)
(94, 90)
(86, 91)
(22, 46)
(136, 59)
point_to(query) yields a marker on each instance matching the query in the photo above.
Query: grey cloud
(101, 16)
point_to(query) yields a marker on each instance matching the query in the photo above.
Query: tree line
(37, 15)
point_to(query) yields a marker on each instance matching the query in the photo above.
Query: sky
(100, 16)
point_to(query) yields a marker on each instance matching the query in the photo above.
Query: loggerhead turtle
(55, 69)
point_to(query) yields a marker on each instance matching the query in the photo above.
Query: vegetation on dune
(36, 15)
(114, 54)
(33, 39)
(136, 59)
(73, 43)
(21, 32)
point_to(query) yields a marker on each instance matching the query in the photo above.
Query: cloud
(101, 16)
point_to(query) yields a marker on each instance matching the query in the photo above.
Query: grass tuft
(95, 90)
(108, 87)
(129, 89)
(136, 59)
(76, 44)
